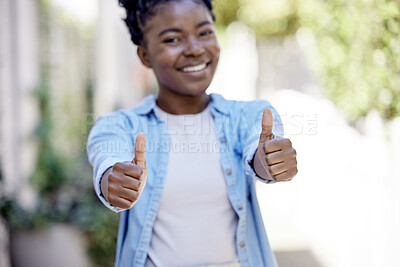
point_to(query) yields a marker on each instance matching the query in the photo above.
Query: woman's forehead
(177, 14)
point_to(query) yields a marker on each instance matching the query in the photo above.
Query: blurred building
(19, 77)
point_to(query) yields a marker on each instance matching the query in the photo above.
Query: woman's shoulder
(143, 108)
(240, 106)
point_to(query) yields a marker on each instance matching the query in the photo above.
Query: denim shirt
(238, 124)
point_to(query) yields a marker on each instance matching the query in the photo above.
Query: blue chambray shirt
(238, 124)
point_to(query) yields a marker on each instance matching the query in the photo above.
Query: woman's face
(181, 47)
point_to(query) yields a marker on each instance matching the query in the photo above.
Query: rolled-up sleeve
(109, 142)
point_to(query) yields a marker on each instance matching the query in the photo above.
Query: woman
(188, 196)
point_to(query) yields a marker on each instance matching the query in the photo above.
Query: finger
(133, 171)
(120, 203)
(281, 167)
(140, 151)
(276, 144)
(283, 177)
(280, 156)
(266, 126)
(132, 183)
(128, 194)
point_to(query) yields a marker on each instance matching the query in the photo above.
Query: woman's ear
(142, 53)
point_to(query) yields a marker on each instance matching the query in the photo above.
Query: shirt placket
(162, 165)
(230, 178)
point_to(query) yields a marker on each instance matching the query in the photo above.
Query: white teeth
(195, 68)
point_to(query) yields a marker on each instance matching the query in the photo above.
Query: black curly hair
(138, 11)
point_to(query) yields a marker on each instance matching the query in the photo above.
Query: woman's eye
(205, 33)
(171, 40)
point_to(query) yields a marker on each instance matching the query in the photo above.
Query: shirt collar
(148, 104)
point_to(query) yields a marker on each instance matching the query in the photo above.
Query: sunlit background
(331, 68)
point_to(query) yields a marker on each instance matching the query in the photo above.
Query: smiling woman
(173, 200)
(180, 45)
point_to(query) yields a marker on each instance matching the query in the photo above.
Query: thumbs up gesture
(275, 158)
(123, 183)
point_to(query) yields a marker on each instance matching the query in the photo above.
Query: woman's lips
(194, 68)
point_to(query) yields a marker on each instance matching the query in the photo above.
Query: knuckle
(265, 146)
(129, 183)
(269, 145)
(272, 170)
(138, 183)
(118, 166)
(130, 198)
(288, 142)
(124, 205)
(140, 171)
(268, 158)
(111, 190)
(111, 198)
(112, 178)
(137, 170)
(133, 166)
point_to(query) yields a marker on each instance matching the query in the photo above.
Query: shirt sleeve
(109, 142)
(251, 131)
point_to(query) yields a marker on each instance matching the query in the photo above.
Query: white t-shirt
(195, 224)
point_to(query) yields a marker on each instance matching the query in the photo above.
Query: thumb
(266, 125)
(140, 151)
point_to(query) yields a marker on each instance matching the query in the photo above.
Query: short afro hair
(138, 11)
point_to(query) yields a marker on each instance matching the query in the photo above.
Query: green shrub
(356, 46)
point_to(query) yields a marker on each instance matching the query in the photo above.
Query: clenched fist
(275, 158)
(123, 183)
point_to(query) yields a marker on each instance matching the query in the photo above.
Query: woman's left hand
(275, 158)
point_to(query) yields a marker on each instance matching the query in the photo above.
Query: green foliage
(50, 173)
(63, 182)
(66, 194)
(100, 226)
(226, 11)
(14, 215)
(266, 18)
(356, 45)
(358, 48)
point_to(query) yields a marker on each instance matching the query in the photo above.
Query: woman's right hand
(123, 183)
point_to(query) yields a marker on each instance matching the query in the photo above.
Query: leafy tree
(356, 44)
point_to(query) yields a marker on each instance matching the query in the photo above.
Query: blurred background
(331, 68)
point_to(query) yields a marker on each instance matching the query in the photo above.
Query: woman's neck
(182, 104)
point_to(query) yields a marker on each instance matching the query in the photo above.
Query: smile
(194, 68)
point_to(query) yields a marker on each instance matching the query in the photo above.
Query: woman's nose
(193, 48)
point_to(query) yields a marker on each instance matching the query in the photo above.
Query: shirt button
(228, 171)
(241, 244)
(240, 207)
(223, 141)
